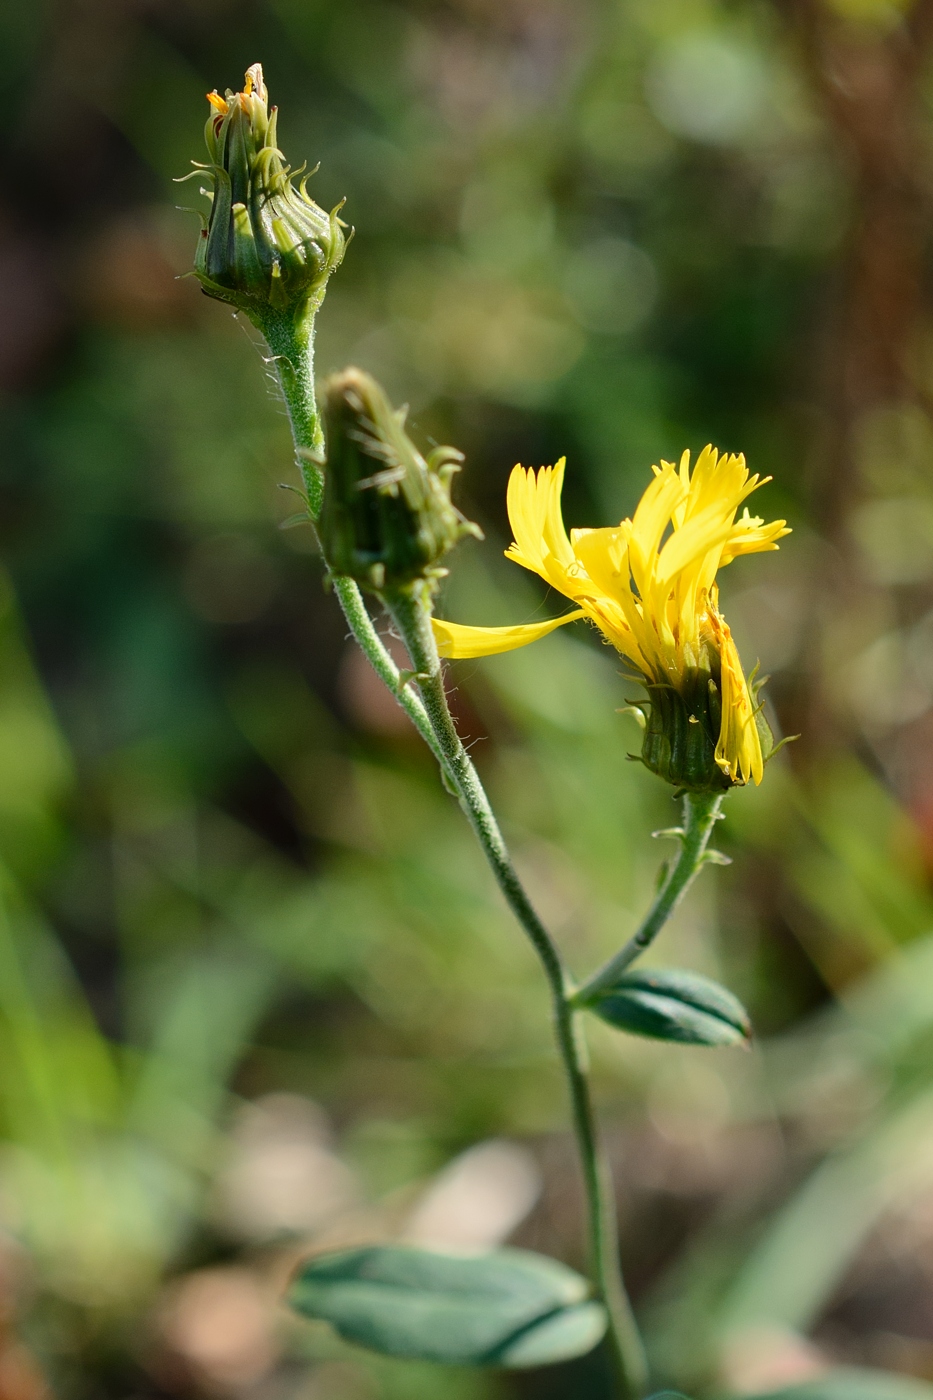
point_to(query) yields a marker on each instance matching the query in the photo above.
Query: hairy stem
(291, 342)
(701, 813)
(292, 352)
(292, 346)
(361, 625)
(411, 612)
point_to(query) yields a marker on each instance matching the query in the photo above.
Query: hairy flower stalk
(649, 585)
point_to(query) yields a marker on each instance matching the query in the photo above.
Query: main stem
(411, 614)
(292, 345)
(361, 625)
(293, 356)
(701, 813)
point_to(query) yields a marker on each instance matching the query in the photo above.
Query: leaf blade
(509, 1308)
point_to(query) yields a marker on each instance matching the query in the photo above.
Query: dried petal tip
(387, 518)
(265, 247)
(253, 82)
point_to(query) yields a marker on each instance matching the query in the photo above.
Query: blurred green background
(256, 986)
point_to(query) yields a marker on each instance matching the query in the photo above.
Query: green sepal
(769, 748)
(670, 1004)
(508, 1308)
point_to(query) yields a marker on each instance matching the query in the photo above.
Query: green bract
(682, 728)
(387, 518)
(265, 244)
(681, 731)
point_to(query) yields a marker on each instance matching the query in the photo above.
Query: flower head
(265, 244)
(387, 519)
(649, 585)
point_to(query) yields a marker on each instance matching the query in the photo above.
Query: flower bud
(266, 246)
(387, 518)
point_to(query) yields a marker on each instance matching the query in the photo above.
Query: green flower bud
(266, 245)
(387, 518)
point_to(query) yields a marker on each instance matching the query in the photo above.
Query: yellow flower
(649, 585)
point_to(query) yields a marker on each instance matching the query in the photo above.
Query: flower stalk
(369, 641)
(291, 343)
(702, 810)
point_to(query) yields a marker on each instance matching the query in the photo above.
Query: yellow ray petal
(738, 751)
(750, 535)
(652, 515)
(455, 640)
(541, 542)
(703, 532)
(611, 603)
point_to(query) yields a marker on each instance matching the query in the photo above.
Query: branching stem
(373, 648)
(429, 712)
(410, 611)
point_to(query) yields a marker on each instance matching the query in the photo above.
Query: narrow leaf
(508, 1308)
(668, 1004)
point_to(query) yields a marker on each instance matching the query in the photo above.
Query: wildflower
(387, 518)
(649, 585)
(266, 245)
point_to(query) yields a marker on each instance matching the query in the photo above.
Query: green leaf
(508, 1308)
(853, 1384)
(567, 1333)
(670, 1004)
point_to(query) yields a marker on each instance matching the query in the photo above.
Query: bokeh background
(257, 991)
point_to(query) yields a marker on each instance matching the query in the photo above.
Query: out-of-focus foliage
(256, 986)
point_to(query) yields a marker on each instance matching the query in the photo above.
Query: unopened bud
(266, 245)
(387, 517)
